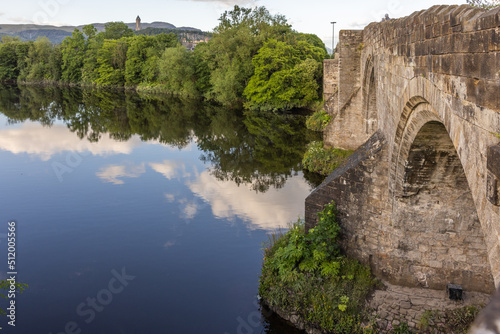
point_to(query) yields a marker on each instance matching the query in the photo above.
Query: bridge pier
(419, 98)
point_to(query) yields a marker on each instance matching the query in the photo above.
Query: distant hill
(30, 32)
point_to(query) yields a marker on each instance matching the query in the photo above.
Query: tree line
(254, 60)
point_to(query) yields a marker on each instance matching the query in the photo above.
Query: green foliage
(111, 59)
(258, 150)
(323, 160)
(456, 320)
(116, 30)
(176, 71)
(254, 59)
(238, 37)
(8, 60)
(486, 4)
(73, 55)
(43, 62)
(305, 273)
(402, 328)
(286, 76)
(318, 121)
(143, 56)
(5, 286)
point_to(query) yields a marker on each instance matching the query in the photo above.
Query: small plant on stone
(318, 121)
(322, 160)
(460, 319)
(402, 328)
(425, 320)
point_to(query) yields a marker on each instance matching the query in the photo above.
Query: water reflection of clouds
(170, 169)
(270, 210)
(44, 142)
(114, 173)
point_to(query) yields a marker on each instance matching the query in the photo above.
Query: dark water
(142, 215)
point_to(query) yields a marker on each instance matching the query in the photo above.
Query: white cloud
(166, 168)
(170, 243)
(44, 142)
(170, 197)
(270, 210)
(190, 210)
(21, 20)
(170, 169)
(112, 173)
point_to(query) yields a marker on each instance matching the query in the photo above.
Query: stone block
(494, 40)
(493, 160)
(492, 189)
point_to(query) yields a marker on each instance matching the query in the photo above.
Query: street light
(333, 39)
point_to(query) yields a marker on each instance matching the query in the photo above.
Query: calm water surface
(142, 215)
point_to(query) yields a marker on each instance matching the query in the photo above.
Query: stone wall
(395, 304)
(419, 200)
(346, 111)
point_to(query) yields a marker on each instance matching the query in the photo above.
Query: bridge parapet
(423, 209)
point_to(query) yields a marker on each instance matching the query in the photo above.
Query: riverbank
(308, 282)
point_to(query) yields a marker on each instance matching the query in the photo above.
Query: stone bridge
(418, 98)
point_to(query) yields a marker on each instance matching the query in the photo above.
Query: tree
(239, 35)
(111, 62)
(286, 76)
(177, 71)
(116, 30)
(8, 61)
(143, 55)
(73, 55)
(486, 4)
(38, 61)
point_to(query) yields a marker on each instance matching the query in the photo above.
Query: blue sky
(310, 16)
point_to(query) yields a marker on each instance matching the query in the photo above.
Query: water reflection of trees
(257, 149)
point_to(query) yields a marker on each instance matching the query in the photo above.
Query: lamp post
(333, 40)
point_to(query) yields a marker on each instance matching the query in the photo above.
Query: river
(142, 214)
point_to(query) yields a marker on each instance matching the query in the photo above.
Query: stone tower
(137, 23)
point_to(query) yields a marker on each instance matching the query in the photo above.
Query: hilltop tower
(137, 23)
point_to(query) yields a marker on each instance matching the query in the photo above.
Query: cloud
(170, 243)
(170, 169)
(190, 210)
(44, 142)
(166, 168)
(270, 210)
(112, 173)
(170, 198)
(21, 20)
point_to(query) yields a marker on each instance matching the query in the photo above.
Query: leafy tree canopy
(116, 30)
(486, 4)
(286, 76)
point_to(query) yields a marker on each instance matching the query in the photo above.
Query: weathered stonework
(396, 304)
(419, 200)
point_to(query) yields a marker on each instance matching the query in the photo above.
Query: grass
(318, 121)
(456, 320)
(323, 160)
(306, 274)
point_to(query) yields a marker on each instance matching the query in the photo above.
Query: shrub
(323, 160)
(318, 121)
(305, 273)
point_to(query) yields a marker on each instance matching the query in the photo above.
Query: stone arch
(370, 115)
(427, 179)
